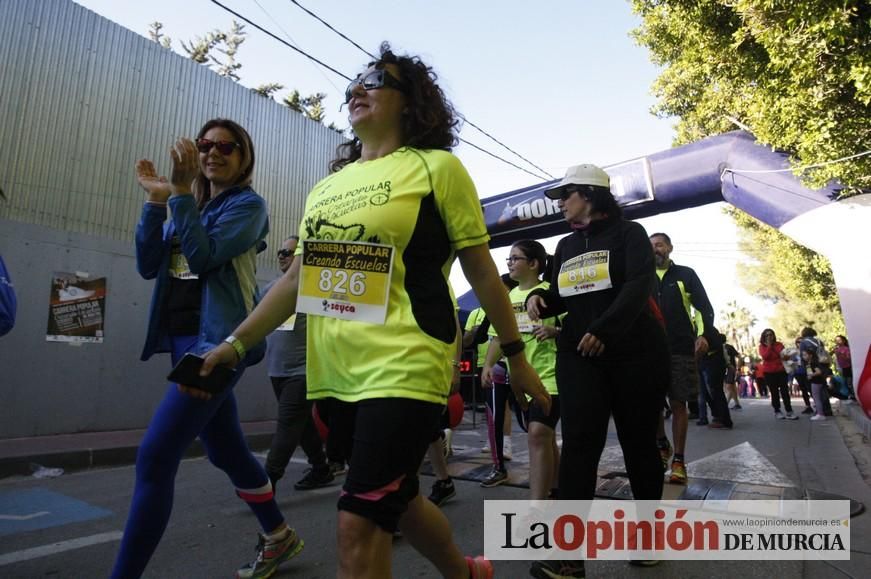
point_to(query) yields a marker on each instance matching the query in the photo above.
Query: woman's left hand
(185, 166)
(590, 345)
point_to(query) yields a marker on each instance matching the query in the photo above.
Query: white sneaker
(791, 416)
(506, 448)
(818, 417)
(779, 415)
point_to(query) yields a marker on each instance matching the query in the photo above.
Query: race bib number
(585, 273)
(524, 324)
(288, 324)
(348, 280)
(178, 263)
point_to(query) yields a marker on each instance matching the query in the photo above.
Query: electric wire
(348, 78)
(281, 40)
(327, 24)
(291, 39)
(465, 119)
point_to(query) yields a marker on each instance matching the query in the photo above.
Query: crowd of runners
(608, 327)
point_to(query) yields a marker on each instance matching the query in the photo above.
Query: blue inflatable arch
(734, 168)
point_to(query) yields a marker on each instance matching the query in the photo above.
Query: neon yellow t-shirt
(541, 355)
(424, 205)
(476, 318)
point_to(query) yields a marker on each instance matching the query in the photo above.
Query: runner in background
(527, 262)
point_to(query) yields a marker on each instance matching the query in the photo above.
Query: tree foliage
(798, 74)
(737, 323)
(201, 49)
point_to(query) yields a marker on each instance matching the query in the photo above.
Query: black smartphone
(187, 373)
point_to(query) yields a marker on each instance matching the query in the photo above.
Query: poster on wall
(77, 308)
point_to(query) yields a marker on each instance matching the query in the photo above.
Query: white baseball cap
(584, 174)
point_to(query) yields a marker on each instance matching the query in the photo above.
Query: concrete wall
(53, 387)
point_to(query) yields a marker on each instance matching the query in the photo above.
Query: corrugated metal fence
(83, 99)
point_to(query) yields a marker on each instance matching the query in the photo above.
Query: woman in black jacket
(612, 354)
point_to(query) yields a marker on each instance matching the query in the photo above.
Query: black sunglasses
(284, 253)
(224, 147)
(568, 192)
(377, 78)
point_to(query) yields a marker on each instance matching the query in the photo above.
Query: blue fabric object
(8, 303)
(229, 225)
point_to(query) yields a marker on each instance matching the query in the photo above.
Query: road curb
(95, 457)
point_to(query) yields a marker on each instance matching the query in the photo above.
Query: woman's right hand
(185, 166)
(157, 187)
(525, 380)
(487, 376)
(534, 306)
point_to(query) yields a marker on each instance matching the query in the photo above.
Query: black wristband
(512, 348)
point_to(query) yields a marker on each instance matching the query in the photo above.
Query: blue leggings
(178, 421)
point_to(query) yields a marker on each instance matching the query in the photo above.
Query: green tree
(798, 74)
(737, 323)
(200, 49)
(154, 32)
(268, 89)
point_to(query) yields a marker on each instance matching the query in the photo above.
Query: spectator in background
(733, 363)
(800, 375)
(845, 364)
(810, 341)
(198, 236)
(771, 351)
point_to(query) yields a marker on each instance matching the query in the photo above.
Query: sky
(560, 82)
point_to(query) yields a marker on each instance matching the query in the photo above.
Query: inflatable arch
(735, 168)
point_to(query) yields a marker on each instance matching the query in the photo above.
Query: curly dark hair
(430, 121)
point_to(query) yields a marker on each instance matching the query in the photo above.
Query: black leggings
(591, 391)
(778, 387)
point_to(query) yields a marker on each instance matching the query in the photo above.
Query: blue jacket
(8, 303)
(220, 245)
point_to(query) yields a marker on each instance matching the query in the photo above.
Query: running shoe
(557, 569)
(678, 472)
(807, 410)
(736, 406)
(779, 415)
(271, 554)
(791, 416)
(816, 417)
(480, 567)
(442, 492)
(338, 468)
(495, 478)
(315, 478)
(665, 454)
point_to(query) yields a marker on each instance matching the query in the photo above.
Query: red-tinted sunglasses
(224, 147)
